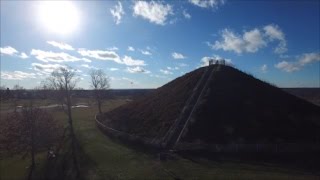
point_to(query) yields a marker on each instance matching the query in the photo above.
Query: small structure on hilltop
(217, 61)
(211, 62)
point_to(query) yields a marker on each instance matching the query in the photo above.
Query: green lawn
(109, 159)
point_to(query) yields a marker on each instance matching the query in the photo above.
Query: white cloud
(165, 71)
(205, 60)
(137, 69)
(111, 55)
(113, 48)
(100, 54)
(264, 68)
(8, 50)
(49, 56)
(176, 55)
(130, 48)
(155, 12)
(275, 33)
(287, 66)
(207, 3)
(129, 61)
(113, 69)
(60, 45)
(309, 58)
(148, 53)
(23, 55)
(300, 62)
(186, 14)
(17, 75)
(251, 41)
(117, 12)
(46, 68)
(88, 66)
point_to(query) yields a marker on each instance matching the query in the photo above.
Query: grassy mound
(235, 108)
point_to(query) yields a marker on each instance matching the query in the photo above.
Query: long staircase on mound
(181, 123)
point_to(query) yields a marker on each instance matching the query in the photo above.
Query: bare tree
(28, 131)
(63, 81)
(99, 83)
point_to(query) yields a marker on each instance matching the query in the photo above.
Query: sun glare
(59, 16)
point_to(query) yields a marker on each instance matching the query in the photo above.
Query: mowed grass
(107, 158)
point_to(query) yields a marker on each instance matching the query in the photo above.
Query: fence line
(231, 148)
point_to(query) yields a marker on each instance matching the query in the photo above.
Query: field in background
(110, 159)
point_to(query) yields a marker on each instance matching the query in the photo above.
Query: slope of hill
(152, 115)
(235, 108)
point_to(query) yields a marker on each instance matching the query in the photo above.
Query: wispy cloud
(17, 75)
(154, 11)
(130, 48)
(46, 68)
(117, 12)
(129, 61)
(176, 55)
(111, 55)
(113, 69)
(49, 56)
(137, 69)
(186, 14)
(88, 66)
(24, 55)
(275, 33)
(299, 63)
(207, 3)
(60, 45)
(172, 68)
(164, 71)
(100, 54)
(251, 41)
(10, 51)
(145, 52)
(113, 48)
(264, 68)
(183, 65)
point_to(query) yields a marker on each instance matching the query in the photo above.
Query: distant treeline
(310, 94)
(43, 94)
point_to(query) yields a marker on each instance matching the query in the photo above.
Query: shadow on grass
(62, 167)
(298, 163)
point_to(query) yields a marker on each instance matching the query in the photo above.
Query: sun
(60, 17)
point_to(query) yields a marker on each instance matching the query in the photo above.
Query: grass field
(110, 159)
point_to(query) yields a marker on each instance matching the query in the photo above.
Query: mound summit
(218, 104)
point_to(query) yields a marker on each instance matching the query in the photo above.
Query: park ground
(107, 158)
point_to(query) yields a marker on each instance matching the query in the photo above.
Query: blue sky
(145, 44)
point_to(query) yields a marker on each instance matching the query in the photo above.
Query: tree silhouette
(29, 131)
(99, 83)
(63, 81)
